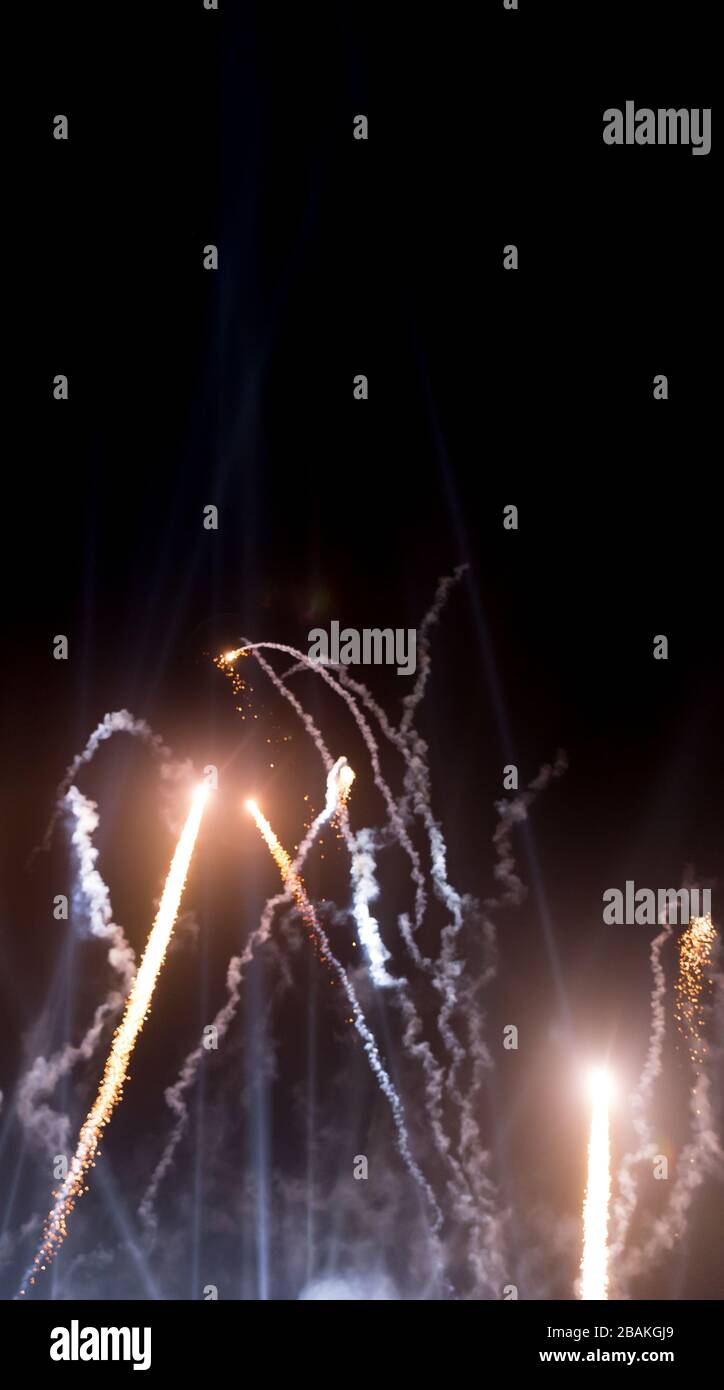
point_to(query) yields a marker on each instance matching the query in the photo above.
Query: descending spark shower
(696, 948)
(436, 1119)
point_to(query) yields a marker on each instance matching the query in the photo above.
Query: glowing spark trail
(294, 885)
(594, 1261)
(695, 952)
(116, 1070)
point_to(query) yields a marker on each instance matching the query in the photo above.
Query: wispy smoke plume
(42, 1124)
(117, 722)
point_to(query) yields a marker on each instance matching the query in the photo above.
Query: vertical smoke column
(594, 1261)
(116, 1070)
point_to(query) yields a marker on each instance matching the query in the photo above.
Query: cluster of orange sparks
(696, 946)
(283, 860)
(226, 663)
(292, 880)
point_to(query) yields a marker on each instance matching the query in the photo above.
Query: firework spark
(339, 786)
(282, 860)
(696, 946)
(594, 1260)
(110, 1092)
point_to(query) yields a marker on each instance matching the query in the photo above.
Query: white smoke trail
(512, 813)
(121, 955)
(117, 722)
(432, 616)
(42, 1124)
(365, 890)
(513, 891)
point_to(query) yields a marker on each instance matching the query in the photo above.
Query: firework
(594, 1260)
(696, 947)
(282, 860)
(339, 786)
(293, 881)
(110, 1092)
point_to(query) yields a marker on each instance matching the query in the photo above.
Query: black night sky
(234, 388)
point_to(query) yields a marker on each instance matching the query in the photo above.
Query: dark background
(486, 388)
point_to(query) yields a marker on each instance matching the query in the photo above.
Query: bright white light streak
(124, 1040)
(594, 1260)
